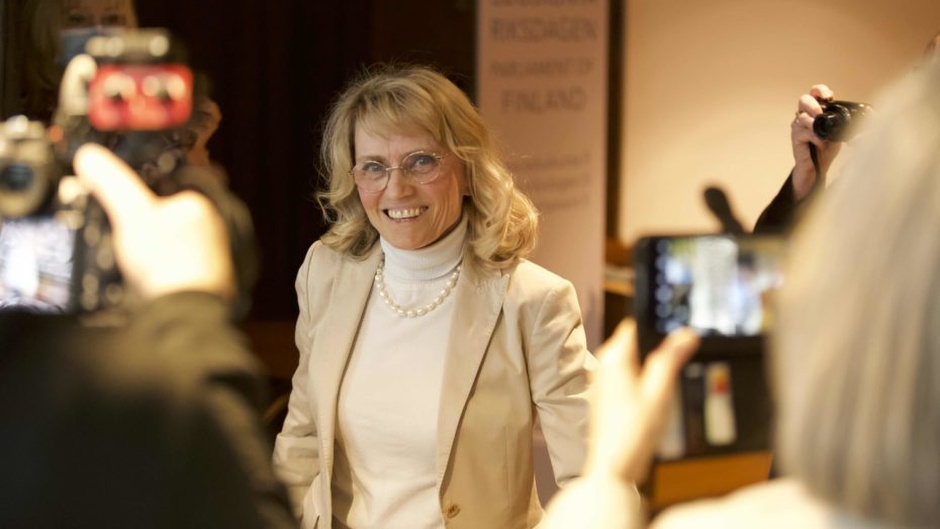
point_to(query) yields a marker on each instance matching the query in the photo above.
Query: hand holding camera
(132, 94)
(151, 233)
(822, 124)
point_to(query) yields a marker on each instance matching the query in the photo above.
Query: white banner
(542, 88)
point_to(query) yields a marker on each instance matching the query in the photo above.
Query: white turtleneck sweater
(385, 473)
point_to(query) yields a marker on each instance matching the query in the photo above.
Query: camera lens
(28, 173)
(839, 120)
(24, 187)
(16, 177)
(830, 124)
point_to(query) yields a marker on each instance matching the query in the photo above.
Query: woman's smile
(404, 213)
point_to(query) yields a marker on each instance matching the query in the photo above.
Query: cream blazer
(517, 354)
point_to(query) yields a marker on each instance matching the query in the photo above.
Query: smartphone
(722, 286)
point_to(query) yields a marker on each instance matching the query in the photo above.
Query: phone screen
(721, 286)
(717, 285)
(36, 264)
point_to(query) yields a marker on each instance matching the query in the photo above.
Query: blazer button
(452, 510)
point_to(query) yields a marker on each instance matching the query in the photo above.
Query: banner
(542, 88)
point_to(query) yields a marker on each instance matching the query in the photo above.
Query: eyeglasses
(419, 167)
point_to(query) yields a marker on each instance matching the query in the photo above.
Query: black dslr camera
(55, 251)
(838, 119)
(132, 93)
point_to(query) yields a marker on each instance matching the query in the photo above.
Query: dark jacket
(152, 424)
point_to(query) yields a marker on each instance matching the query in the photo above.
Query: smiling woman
(426, 338)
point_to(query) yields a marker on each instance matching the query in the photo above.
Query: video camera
(133, 93)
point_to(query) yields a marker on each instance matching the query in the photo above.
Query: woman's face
(407, 214)
(98, 13)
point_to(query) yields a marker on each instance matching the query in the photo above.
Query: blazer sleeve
(558, 363)
(296, 449)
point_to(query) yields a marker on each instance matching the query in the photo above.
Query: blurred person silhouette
(855, 357)
(56, 30)
(429, 346)
(803, 181)
(53, 28)
(153, 424)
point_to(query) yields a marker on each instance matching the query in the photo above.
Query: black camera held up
(133, 93)
(55, 250)
(838, 119)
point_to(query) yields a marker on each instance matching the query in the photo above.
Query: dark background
(274, 69)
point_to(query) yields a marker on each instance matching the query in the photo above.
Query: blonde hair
(856, 354)
(503, 222)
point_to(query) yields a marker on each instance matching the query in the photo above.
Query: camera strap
(820, 175)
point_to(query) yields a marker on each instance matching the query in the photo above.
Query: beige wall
(711, 86)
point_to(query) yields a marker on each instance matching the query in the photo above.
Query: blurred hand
(631, 403)
(208, 122)
(162, 244)
(802, 136)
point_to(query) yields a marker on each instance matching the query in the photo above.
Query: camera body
(128, 92)
(721, 286)
(133, 93)
(838, 119)
(140, 83)
(55, 250)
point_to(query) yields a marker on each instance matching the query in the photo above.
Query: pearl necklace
(411, 313)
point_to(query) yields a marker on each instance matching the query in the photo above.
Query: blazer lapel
(347, 302)
(479, 297)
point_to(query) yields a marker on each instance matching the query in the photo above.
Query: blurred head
(856, 354)
(98, 13)
(44, 23)
(392, 111)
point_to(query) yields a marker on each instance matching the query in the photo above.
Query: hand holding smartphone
(722, 287)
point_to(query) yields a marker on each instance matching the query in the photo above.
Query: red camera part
(140, 97)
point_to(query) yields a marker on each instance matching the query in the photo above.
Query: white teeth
(399, 214)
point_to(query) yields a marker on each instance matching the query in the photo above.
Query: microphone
(718, 204)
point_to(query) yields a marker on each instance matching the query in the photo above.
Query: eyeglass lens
(420, 167)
